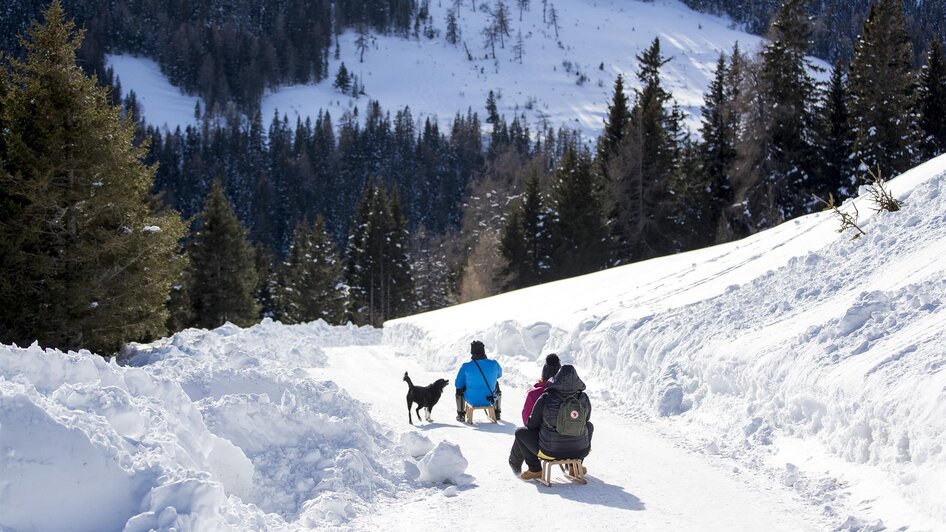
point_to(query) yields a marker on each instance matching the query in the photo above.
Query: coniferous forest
(372, 215)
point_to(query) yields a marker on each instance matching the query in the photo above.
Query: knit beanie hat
(551, 367)
(477, 348)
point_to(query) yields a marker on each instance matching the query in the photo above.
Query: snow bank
(88, 445)
(213, 430)
(795, 333)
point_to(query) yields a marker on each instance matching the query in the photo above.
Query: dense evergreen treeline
(836, 24)
(225, 51)
(290, 173)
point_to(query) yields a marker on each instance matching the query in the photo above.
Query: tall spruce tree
(86, 258)
(641, 173)
(579, 232)
(718, 150)
(512, 248)
(535, 231)
(223, 267)
(788, 155)
(378, 268)
(882, 89)
(932, 100)
(615, 125)
(311, 278)
(835, 141)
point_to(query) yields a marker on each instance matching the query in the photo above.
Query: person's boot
(461, 406)
(499, 402)
(531, 475)
(516, 469)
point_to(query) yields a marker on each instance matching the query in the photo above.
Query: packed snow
(561, 81)
(793, 380)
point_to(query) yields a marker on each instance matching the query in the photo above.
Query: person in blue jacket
(477, 382)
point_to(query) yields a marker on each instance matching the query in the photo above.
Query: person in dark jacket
(539, 434)
(551, 367)
(477, 382)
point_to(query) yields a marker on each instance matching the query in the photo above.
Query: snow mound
(87, 445)
(417, 444)
(444, 464)
(206, 430)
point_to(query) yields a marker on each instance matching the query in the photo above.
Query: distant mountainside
(837, 23)
(555, 73)
(230, 53)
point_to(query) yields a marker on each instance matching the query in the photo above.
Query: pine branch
(847, 219)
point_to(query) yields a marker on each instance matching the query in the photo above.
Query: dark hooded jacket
(545, 415)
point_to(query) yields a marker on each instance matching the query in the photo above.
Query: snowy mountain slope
(794, 333)
(794, 380)
(597, 39)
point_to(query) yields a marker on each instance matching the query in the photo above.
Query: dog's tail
(408, 380)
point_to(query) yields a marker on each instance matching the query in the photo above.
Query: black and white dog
(425, 396)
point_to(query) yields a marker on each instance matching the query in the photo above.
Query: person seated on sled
(558, 427)
(477, 382)
(551, 367)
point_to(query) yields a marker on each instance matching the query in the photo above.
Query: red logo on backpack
(574, 414)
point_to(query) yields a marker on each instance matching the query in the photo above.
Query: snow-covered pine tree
(578, 231)
(501, 22)
(223, 267)
(342, 79)
(641, 172)
(615, 126)
(453, 30)
(492, 113)
(311, 283)
(836, 175)
(789, 156)
(378, 267)
(87, 259)
(881, 84)
(512, 248)
(718, 150)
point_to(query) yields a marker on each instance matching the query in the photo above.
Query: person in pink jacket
(551, 367)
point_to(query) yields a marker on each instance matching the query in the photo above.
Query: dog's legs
(418, 413)
(428, 415)
(409, 419)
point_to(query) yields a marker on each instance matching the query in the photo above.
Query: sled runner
(571, 468)
(489, 409)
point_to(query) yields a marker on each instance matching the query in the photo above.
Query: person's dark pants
(525, 448)
(461, 402)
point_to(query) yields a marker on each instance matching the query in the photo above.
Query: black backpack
(572, 416)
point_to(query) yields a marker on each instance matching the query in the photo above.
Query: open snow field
(561, 81)
(794, 380)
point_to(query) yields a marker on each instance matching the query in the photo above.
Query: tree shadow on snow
(595, 492)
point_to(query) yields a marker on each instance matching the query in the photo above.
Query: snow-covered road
(638, 480)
